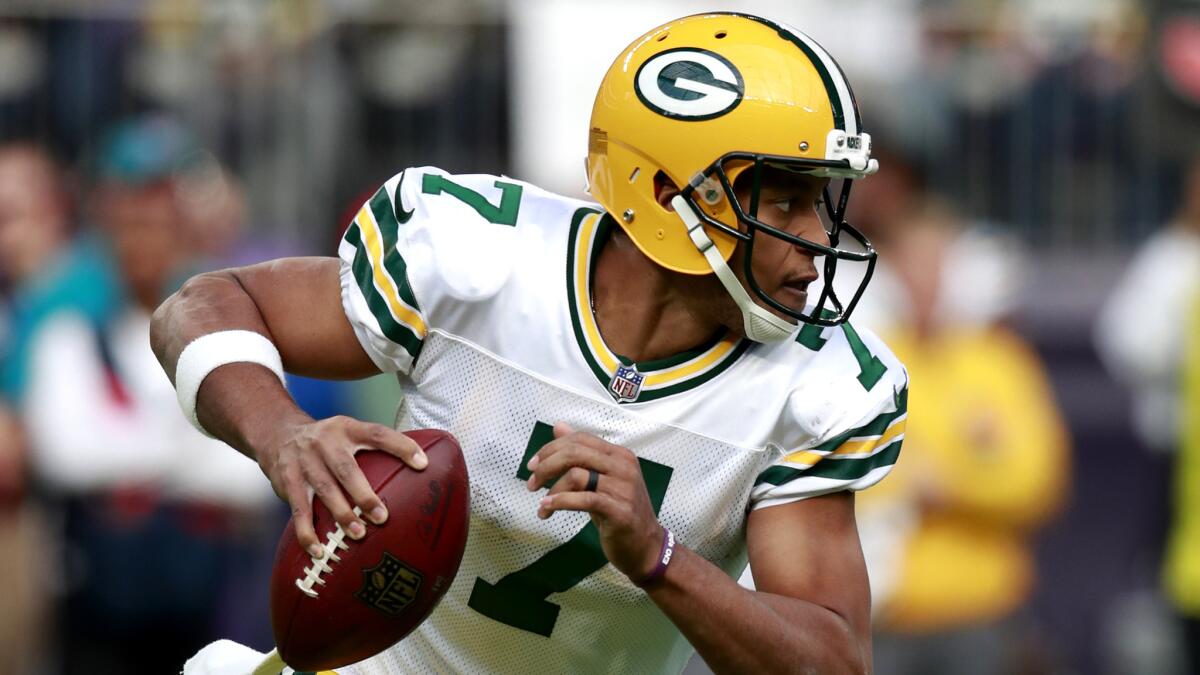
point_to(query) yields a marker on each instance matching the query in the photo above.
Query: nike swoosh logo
(402, 214)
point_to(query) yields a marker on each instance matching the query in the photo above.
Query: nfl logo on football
(626, 384)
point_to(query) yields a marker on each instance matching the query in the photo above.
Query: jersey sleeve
(861, 440)
(378, 293)
(428, 250)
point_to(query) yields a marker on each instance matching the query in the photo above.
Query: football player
(649, 391)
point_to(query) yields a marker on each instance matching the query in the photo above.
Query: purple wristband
(664, 559)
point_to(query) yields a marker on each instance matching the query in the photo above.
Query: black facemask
(845, 242)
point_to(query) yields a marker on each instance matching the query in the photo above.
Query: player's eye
(784, 205)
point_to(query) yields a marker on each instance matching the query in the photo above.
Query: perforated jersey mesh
(605, 623)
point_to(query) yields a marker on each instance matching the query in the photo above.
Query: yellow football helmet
(703, 99)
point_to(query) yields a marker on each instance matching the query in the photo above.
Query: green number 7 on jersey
(519, 598)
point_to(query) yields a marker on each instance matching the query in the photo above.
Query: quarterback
(646, 393)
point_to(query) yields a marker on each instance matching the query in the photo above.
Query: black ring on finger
(593, 480)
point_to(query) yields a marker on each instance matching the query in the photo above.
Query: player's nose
(809, 226)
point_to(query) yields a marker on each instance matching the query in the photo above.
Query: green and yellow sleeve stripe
(381, 274)
(850, 460)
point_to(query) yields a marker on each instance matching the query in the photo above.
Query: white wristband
(209, 352)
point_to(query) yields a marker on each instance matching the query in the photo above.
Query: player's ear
(665, 190)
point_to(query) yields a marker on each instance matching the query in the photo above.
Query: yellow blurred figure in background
(1183, 543)
(986, 464)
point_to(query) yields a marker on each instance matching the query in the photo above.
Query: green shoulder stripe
(834, 469)
(777, 475)
(873, 428)
(846, 469)
(392, 329)
(393, 262)
(853, 469)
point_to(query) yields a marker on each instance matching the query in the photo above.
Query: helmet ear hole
(664, 189)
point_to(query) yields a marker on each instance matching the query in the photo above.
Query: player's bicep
(300, 300)
(809, 550)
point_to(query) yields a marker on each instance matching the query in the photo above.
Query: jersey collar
(625, 380)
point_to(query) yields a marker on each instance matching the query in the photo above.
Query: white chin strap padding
(760, 325)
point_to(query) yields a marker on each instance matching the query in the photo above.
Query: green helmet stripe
(841, 97)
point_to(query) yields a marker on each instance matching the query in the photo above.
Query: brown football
(365, 595)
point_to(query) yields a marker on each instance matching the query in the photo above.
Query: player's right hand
(317, 457)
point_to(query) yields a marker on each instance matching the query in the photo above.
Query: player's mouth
(794, 292)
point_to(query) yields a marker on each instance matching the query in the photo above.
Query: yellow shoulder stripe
(851, 449)
(386, 285)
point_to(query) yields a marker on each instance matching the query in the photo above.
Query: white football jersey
(475, 290)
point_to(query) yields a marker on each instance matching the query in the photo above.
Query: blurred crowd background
(1038, 214)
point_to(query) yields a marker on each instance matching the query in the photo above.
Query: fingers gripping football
(619, 505)
(317, 458)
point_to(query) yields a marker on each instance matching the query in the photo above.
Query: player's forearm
(737, 630)
(244, 405)
(239, 403)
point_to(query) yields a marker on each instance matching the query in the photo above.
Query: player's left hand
(630, 533)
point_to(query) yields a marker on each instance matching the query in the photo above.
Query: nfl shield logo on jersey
(626, 383)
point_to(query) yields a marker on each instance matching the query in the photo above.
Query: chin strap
(760, 325)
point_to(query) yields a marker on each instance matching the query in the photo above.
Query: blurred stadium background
(1058, 137)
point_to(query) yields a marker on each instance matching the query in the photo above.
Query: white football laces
(321, 564)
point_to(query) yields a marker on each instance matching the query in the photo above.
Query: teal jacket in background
(81, 278)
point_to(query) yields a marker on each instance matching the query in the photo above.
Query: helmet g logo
(689, 84)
